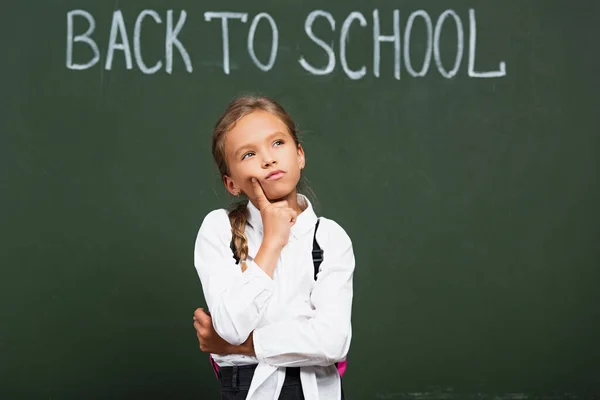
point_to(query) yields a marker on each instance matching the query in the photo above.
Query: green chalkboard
(457, 142)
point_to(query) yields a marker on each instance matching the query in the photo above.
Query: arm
(325, 338)
(211, 342)
(236, 299)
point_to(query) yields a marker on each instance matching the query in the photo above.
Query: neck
(293, 202)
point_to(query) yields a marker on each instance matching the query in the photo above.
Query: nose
(269, 161)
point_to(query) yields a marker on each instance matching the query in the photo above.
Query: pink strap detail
(341, 367)
(214, 366)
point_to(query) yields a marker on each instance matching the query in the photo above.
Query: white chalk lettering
(459, 44)
(137, 52)
(344, 38)
(472, 46)
(173, 40)
(330, 54)
(407, 34)
(378, 38)
(420, 34)
(84, 38)
(274, 41)
(225, 16)
(118, 25)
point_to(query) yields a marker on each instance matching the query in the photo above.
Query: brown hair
(236, 110)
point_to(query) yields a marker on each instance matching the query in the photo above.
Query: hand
(278, 217)
(209, 339)
(211, 342)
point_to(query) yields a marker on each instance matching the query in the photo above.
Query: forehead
(252, 129)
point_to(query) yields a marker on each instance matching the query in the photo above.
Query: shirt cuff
(255, 273)
(259, 351)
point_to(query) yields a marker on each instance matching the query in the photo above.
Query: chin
(279, 192)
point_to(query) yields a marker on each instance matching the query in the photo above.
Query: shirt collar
(305, 221)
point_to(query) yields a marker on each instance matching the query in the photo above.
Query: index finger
(261, 199)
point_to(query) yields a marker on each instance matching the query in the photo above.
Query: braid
(237, 217)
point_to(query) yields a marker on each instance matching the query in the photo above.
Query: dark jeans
(235, 383)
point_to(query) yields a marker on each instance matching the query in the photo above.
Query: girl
(279, 320)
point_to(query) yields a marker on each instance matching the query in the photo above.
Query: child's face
(258, 145)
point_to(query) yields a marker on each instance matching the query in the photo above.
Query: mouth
(274, 175)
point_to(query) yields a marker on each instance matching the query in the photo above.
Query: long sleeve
(236, 300)
(324, 338)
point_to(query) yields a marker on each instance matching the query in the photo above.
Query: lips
(273, 175)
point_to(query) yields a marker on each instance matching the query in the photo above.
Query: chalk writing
(385, 30)
(274, 43)
(328, 49)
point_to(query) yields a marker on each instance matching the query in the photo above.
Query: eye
(247, 154)
(279, 141)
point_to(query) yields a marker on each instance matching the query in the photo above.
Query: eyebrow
(245, 146)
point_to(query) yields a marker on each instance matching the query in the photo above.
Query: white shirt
(297, 321)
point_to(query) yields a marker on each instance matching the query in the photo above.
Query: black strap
(317, 252)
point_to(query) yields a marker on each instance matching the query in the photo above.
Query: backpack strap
(317, 252)
(317, 255)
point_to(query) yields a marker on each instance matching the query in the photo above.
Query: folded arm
(236, 299)
(323, 339)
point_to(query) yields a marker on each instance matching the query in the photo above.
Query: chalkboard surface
(456, 141)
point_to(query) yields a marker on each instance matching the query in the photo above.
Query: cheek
(245, 181)
(244, 171)
(293, 157)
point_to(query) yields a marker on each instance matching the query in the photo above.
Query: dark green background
(472, 203)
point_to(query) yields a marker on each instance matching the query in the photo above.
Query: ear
(231, 186)
(301, 158)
